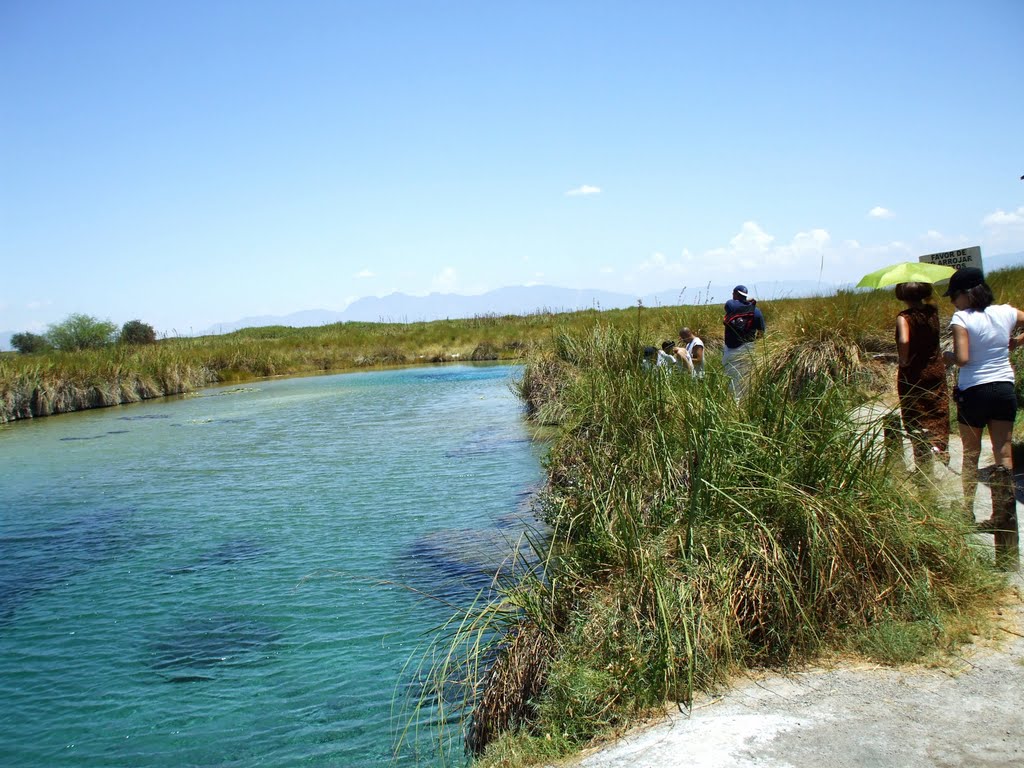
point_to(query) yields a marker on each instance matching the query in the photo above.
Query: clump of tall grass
(539, 387)
(691, 535)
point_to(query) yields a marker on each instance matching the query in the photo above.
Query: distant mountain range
(516, 300)
(524, 300)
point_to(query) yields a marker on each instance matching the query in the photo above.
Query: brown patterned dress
(921, 383)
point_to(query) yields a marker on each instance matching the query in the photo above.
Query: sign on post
(965, 257)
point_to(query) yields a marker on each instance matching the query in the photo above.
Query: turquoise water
(222, 580)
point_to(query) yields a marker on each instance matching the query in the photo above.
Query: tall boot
(1003, 523)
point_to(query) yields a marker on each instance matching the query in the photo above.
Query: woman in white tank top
(983, 334)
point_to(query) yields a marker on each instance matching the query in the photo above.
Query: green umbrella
(906, 272)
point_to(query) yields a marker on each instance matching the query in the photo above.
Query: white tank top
(988, 344)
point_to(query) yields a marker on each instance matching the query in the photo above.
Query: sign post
(965, 257)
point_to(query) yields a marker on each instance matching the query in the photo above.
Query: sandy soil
(970, 713)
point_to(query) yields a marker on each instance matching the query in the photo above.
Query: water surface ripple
(220, 580)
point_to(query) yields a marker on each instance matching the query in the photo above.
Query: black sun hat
(964, 279)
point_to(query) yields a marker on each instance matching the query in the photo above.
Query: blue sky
(187, 163)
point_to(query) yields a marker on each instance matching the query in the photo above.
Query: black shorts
(977, 406)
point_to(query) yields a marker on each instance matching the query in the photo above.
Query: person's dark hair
(685, 333)
(913, 291)
(668, 346)
(650, 351)
(979, 297)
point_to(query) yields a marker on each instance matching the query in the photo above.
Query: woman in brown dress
(921, 382)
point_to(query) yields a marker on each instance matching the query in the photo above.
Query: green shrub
(896, 642)
(79, 332)
(137, 332)
(27, 343)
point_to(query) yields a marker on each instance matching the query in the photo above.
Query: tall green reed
(691, 535)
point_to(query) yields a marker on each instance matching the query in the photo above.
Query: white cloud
(1003, 219)
(585, 189)
(806, 248)
(751, 255)
(365, 273)
(878, 212)
(660, 266)
(1004, 231)
(751, 238)
(446, 280)
(607, 270)
(746, 250)
(754, 255)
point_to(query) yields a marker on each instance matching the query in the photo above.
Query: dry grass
(512, 685)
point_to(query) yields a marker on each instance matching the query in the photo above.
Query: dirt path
(969, 714)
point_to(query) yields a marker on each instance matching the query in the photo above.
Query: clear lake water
(239, 578)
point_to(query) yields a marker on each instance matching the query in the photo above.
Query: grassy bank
(48, 383)
(44, 384)
(691, 536)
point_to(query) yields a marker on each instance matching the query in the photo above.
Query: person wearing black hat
(668, 358)
(744, 323)
(983, 333)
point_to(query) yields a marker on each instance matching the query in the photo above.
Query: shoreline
(849, 715)
(43, 402)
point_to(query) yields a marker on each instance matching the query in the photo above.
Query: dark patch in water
(145, 416)
(456, 564)
(463, 373)
(228, 553)
(72, 439)
(233, 391)
(118, 431)
(188, 678)
(211, 641)
(478, 446)
(527, 514)
(36, 561)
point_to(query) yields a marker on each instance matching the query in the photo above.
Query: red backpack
(741, 322)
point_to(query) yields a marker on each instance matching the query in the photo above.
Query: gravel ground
(970, 713)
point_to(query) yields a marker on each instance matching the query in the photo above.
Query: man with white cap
(744, 323)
